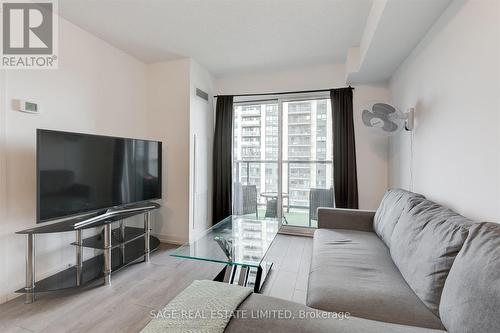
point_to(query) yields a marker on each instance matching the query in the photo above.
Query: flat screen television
(82, 173)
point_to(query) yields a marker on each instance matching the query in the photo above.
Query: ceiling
(393, 30)
(226, 36)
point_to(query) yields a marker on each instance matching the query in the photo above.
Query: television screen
(79, 173)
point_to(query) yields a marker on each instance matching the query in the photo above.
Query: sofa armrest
(339, 218)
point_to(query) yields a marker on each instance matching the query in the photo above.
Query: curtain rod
(283, 93)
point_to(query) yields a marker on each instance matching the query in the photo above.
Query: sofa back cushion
(424, 245)
(389, 211)
(471, 296)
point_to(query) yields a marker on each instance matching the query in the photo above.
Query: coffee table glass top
(235, 240)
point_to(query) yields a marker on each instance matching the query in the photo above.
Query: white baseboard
(170, 239)
(11, 295)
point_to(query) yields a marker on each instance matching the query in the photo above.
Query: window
(305, 153)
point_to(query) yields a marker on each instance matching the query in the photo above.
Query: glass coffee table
(240, 243)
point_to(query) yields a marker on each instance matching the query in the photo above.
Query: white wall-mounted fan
(386, 119)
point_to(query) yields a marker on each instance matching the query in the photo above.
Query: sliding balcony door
(282, 158)
(307, 159)
(255, 159)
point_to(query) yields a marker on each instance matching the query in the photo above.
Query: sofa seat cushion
(390, 209)
(259, 313)
(424, 245)
(471, 296)
(353, 271)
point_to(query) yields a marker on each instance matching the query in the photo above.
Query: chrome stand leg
(229, 274)
(147, 233)
(107, 254)
(30, 269)
(122, 240)
(242, 281)
(258, 278)
(79, 257)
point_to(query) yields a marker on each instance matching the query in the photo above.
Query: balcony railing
(296, 164)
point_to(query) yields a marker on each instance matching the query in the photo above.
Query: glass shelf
(97, 241)
(93, 267)
(70, 224)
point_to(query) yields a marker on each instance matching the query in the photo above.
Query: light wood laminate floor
(125, 306)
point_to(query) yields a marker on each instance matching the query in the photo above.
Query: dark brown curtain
(345, 180)
(222, 170)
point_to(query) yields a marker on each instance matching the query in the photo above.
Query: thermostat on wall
(25, 106)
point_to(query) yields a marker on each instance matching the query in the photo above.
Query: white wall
(3, 195)
(168, 116)
(97, 89)
(371, 150)
(453, 79)
(305, 78)
(176, 115)
(200, 156)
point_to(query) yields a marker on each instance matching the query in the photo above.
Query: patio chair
(245, 200)
(319, 197)
(272, 208)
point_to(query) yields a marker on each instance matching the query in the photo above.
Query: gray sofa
(411, 266)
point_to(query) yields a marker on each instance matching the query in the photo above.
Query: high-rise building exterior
(306, 138)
